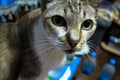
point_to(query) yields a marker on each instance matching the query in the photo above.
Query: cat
(63, 27)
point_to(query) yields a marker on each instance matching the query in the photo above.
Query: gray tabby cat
(63, 27)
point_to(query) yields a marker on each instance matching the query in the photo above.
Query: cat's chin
(84, 50)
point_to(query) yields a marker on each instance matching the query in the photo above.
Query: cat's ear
(44, 3)
(95, 3)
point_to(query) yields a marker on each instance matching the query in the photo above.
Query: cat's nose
(72, 42)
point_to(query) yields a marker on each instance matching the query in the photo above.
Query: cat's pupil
(87, 25)
(58, 20)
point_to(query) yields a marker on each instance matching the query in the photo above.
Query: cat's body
(17, 42)
(43, 55)
(14, 42)
(63, 27)
(8, 52)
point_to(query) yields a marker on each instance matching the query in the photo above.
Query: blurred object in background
(89, 64)
(108, 70)
(111, 39)
(88, 67)
(105, 16)
(116, 12)
(104, 21)
(10, 9)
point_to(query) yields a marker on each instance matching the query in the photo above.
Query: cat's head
(70, 23)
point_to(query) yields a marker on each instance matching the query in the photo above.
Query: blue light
(6, 2)
(3, 2)
(111, 39)
(93, 54)
(112, 61)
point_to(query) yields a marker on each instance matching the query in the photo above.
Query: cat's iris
(58, 20)
(87, 24)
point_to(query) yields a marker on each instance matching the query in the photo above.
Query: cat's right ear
(43, 4)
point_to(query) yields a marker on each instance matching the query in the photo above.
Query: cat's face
(69, 24)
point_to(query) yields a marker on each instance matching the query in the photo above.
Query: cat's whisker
(91, 47)
(43, 39)
(38, 46)
(46, 38)
(46, 48)
(43, 49)
(91, 40)
(92, 44)
(52, 53)
(90, 58)
(45, 44)
(94, 61)
(48, 52)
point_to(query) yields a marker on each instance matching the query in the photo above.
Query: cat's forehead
(79, 6)
(75, 6)
(75, 3)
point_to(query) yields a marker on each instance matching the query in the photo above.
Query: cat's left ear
(43, 4)
(95, 3)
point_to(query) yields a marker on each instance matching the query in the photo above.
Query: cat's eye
(58, 20)
(87, 24)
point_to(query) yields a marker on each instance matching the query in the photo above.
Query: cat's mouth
(84, 50)
(69, 51)
(73, 52)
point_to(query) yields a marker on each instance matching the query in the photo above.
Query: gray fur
(28, 52)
